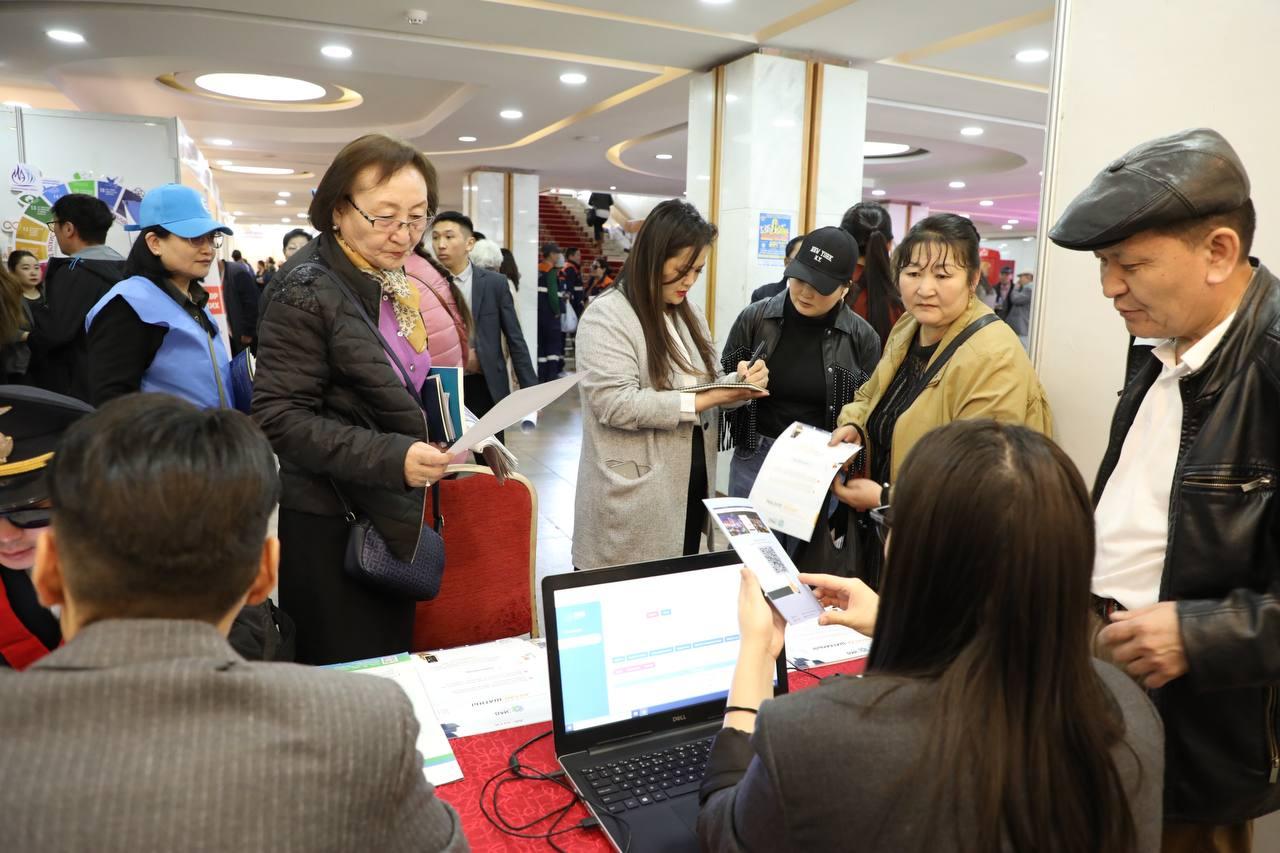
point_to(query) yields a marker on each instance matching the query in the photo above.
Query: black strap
(938, 363)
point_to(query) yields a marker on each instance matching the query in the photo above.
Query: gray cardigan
(633, 475)
(830, 769)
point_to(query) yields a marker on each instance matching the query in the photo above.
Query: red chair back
(490, 538)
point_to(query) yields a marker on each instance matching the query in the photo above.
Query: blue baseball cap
(177, 209)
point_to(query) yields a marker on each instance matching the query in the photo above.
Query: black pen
(755, 356)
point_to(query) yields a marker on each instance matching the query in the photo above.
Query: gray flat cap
(1190, 174)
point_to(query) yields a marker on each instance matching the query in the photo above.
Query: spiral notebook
(715, 386)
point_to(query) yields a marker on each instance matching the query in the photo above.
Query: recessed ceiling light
(663, 156)
(220, 141)
(1027, 239)
(286, 220)
(65, 36)
(511, 114)
(884, 149)
(1006, 227)
(302, 215)
(22, 105)
(281, 202)
(1032, 54)
(717, 2)
(878, 193)
(284, 193)
(466, 139)
(1012, 221)
(613, 188)
(966, 216)
(573, 78)
(986, 202)
(336, 51)
(260, 87)
(971, 131)
(956, 185)
(258, 170)
(237, 213)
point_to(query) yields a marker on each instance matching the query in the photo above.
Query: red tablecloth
(482, 756)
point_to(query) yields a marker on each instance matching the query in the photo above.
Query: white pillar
(1124, 73)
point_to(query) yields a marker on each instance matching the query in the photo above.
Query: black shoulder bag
(368, 558)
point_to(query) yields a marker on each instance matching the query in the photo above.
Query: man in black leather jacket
(1188, 567)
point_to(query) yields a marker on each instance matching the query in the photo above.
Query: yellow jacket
(990, 376)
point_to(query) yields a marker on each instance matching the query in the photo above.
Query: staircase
(563, 220)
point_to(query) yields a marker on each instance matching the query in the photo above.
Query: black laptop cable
(803, 670)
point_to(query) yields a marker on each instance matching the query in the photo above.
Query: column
(1112, 90)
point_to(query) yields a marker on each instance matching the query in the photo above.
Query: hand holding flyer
(764, 556)
(795, 479)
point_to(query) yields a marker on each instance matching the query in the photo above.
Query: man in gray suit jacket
(146, 731)
(493, 311)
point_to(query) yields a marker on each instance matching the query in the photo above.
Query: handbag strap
(938, 363)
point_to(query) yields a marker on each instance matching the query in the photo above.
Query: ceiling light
(971, 131)
(336, 51)
(19, 104)
(1032, 54)
(884, 149)
(1012, 221)
(966, 216)
(281, 202)
(221, 142)
(466, 139)
(986, 202)
(238, 213)
(878, 193)
(956, 185)
(1027, 239)
(222, 162)
(511, 114)
(260, 87)
(284, 193)
(573, 78)
(613, 188)
(717, 2)
(258, 170)
(302, 215)
(286, 220)
(663, 156)
(65, 36)
(1006, 227)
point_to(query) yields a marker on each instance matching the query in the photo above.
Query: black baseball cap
(826, 260)
(33, 420)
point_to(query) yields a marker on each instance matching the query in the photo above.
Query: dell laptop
(641, 658)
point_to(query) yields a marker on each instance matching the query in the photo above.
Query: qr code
(774, 559)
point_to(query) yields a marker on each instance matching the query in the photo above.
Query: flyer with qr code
(764, 555)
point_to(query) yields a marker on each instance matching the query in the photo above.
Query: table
(481, 756)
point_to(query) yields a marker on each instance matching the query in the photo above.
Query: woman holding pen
(821, 352)
(648, 447)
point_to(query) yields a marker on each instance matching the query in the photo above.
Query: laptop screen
(641, 646)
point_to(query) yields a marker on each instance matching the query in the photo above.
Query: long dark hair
(871, 227)
(142, 261)
(672, 227)
(13, 317)
(954, 237)
(986, 593)
(464, 310)
(509, 268)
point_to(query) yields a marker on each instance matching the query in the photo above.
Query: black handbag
(368, 558)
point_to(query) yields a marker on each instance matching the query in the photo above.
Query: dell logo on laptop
(678, 718)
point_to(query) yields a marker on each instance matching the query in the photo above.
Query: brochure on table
(406, 670)
(810, 644)
(763, 555)
(488, 687)
(513, 408)
(795, 479)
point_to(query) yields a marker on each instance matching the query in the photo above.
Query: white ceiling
(934, 67)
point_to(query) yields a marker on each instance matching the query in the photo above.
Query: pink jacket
(445, 331)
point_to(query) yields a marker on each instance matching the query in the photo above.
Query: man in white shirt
(1188, 537)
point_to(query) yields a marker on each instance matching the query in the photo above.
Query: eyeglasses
(882, 518)
(389, 224)
(27, 519)
(213, 239)
(53, 224)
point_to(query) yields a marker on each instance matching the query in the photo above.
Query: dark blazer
(329, 400)
(59, 344)
(152, 734)
(241, 296)
(494, 312)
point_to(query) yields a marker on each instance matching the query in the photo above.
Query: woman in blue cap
(153, 331)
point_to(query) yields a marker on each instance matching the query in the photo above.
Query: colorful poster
(25, 178)
(775, 232)
(38, 209)
(110, 192)
(54, 190)
(83, 187)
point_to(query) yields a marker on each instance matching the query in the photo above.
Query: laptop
(640, 659)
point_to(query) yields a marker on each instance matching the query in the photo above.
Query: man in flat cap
(1187, 576)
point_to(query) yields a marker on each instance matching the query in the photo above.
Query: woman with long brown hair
(649, 448)
(982, 723)
(15, 329)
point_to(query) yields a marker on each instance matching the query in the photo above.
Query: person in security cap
(31, 424)
(153, 331)
(1188, 525)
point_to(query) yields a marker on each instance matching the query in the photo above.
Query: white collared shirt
(1132, 517)
(463, 280)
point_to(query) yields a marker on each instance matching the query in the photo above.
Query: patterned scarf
(404, 297)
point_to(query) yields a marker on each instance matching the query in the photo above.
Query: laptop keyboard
(651, 778)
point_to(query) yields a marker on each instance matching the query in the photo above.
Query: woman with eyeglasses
(153, 330)
(331, 395)
(982, 723)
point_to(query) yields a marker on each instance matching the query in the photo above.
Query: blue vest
(189, 364)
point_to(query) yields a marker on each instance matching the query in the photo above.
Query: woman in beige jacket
(987, 376)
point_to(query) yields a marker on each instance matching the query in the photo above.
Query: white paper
(438, 762)
(488, 687)
(512, 408)
(760, 550)
(795, 479)
(812, 644)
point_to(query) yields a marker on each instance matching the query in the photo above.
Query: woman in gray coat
(648, 448)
